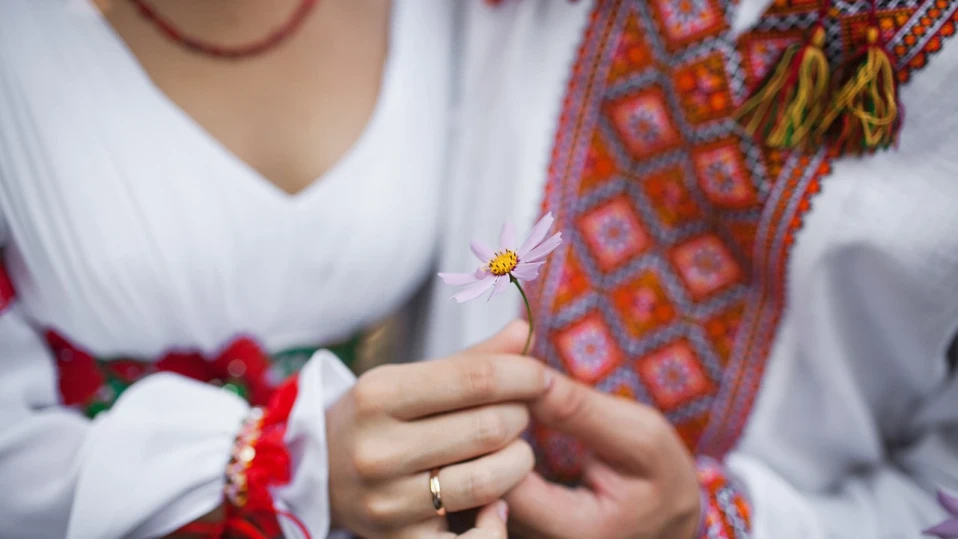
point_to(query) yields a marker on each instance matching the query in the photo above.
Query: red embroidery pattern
(671, 284)
(728, 513)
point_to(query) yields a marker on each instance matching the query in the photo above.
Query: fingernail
(503, 511)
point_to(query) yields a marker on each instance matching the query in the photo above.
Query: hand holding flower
(459, 414)
(641, 482)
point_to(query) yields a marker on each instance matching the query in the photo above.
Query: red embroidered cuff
(259, 462)
(6, 287)
(726, 511)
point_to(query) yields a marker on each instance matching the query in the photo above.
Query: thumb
(617, 430)
(509, 340)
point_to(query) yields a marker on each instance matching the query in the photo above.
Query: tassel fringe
(785, 110)
(865, 114)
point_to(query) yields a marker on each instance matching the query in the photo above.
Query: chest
(291, 112)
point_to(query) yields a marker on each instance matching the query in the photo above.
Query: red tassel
(865, 114)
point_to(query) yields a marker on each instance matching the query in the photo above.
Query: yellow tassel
(865, 114)
(784, 112)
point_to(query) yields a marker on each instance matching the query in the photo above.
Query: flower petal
(946, 530)
(507, 237)
(543, 249)
(500, 287)
(948, 502)
(537, 234)
(527, 271)
(483, 253)
(475, 290)
(459, 279)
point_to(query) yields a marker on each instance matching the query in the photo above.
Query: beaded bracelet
(241, 458)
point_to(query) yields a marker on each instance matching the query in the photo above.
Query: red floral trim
(259, 462)
(6, 288)
(94, 385)
(726, 511)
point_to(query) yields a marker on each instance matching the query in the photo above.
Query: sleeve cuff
(156, 460)
(321, 383)
(726, 510)
(277, 474)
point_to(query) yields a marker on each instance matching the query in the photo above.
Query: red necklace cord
(223, 51)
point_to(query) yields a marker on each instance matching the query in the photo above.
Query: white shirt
(856, 422)
(129, 230)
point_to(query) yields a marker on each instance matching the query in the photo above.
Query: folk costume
(155, 286)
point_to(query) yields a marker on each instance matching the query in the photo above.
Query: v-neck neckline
(251, 177)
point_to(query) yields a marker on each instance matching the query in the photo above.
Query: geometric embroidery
(613, 233)
(705, 266)
(643, 123)
(671, 284)
(728, 512)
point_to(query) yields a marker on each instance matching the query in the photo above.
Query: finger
(463, 486)
(434, 528)
(553, 510)
(510, 340)
(490, 523)
(622, 432)
(445, 439)
(463, 381)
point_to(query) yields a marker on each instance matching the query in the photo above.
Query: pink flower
(508, 264)
(949, 528)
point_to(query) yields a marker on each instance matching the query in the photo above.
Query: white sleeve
(856, 424)
(151, 464)
(892, 499)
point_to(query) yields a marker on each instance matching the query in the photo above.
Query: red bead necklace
(236, 52)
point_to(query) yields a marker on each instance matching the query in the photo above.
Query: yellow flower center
(503, 263)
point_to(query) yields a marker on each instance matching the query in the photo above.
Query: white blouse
(856, 422)
(128, 229)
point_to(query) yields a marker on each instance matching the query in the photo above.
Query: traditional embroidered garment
(129, 232)
(789, 314)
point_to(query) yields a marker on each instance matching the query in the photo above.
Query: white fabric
(129, 230)
(857, 420)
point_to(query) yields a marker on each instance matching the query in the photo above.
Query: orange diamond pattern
(670, 286)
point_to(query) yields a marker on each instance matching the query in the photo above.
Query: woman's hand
(640, 484)
(400, 421)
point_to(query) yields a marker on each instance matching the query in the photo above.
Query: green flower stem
(525, 349)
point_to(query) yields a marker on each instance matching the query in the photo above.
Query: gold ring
(436, 491)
